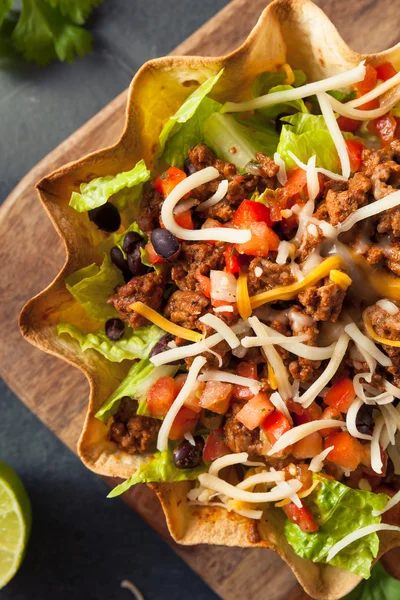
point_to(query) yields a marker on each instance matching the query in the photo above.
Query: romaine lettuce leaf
(187, 110)
(269, 79)
(159, 467)
(136, 384)
(99, 190)
(380, 586)
(134, 344)
(293, 106)
(342, 96)
(339, 510)
(223, 132)
(306, 135)
(189, 134)
(92, 286)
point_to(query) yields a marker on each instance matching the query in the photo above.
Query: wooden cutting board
(56, 392)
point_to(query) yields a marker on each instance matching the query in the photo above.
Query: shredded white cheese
(162, 439)
(222, 487)
(342, 80)
(361, 115)
(392, 502)
(376, 459)
(301, 431)
(189, 437)
(225, 376)
(389, 201)
(221, 234)
(387, 305)
(283, 252)
(280, 405)
(258, 271)
(392, 389)
(374, 93)
(351, 420)
(312, 178)
(356, 535)
(390, 425)
(281, 176)
(265, 477)
(363, 342)
(336, 134)
(227, 308)
(221, 328)
(128, 585)
(215, 198)
(317, 462)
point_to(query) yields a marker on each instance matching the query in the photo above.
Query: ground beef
(387, 326)
(202, 156)
(184, 308)
(323, 302)
(352, 195)
(150, 209)
(222, 349)
(301, 323)
(133, 433)
(236, 436)
(147, 288)
(309, 242)
(389, 222)
(196, 258)
(272, 276)
(266, 167)
(239, 189)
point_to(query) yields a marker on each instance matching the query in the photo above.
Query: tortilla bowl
(293, 31)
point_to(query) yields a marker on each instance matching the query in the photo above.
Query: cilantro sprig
(46, 30)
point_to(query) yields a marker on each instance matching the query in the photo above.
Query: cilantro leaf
(77, 10)
(5, 7)
(43, 34)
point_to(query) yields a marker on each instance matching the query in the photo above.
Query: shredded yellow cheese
(163, 323)
(385, 285)
(340, 278)
(304, 494)
(271, 378)
(242, 296)
(288, 292)
(376, 337)
(289, 74)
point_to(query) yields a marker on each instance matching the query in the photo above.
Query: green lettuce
(342, 96)
(134, 344)
(339, 510)
(99, 190)
(92, 286)
(380, 586)
(189, 134)
(159, 467)
(223, 133)
(306, 135)
(270, 79)
(187, 110)
(292, 106)
(136, 384)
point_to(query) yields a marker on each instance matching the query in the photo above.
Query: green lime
(15, 523)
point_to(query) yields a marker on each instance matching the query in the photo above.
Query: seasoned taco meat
(323, 303)
(196, 258)
(272, 275)
(150, 209)
(184, 308)
(133, 433)
(147, 288)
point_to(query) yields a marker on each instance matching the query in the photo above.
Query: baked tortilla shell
(293, 31)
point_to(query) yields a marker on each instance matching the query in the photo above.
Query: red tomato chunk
(215, 446)
(244, 369)
(184, 422)
(216, 396)
(161, 396)
(302, 517)
(255, 411)
(347, 451)
(341, 395)
(275, 425)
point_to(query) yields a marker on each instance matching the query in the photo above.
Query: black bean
(278, 123)
(165, 243)
(134, 261)
(106, 217)
(118, 258)
(115, 329)
(187, 456)
(162, 345)
(189, 167)
(130, 240)
(364, 420)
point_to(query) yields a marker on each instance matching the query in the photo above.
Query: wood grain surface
(56, 392)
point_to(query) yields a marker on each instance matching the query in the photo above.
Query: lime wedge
(15, 523)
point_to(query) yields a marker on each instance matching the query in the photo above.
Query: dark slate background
(83, 545)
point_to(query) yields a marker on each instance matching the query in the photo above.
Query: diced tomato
(152, 255)
(161, 396)
(250, 212)
(385, 71)
(204, 283)
(275, 425)
(215, 446)
(244, 369)
(296, 184)
(308, 447)
(231, 260)
(216, 396)
(263, 239)
(184, 422)
(185, 220)
(331, 413)
(369, 81)
(255, 411)
(354, 149)
(304, 415)
(168, 180)
(347, 124)
(302, 517)
(341, 395)
(303, 474)
(347, 451)
(385, 128)
(193, 400)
